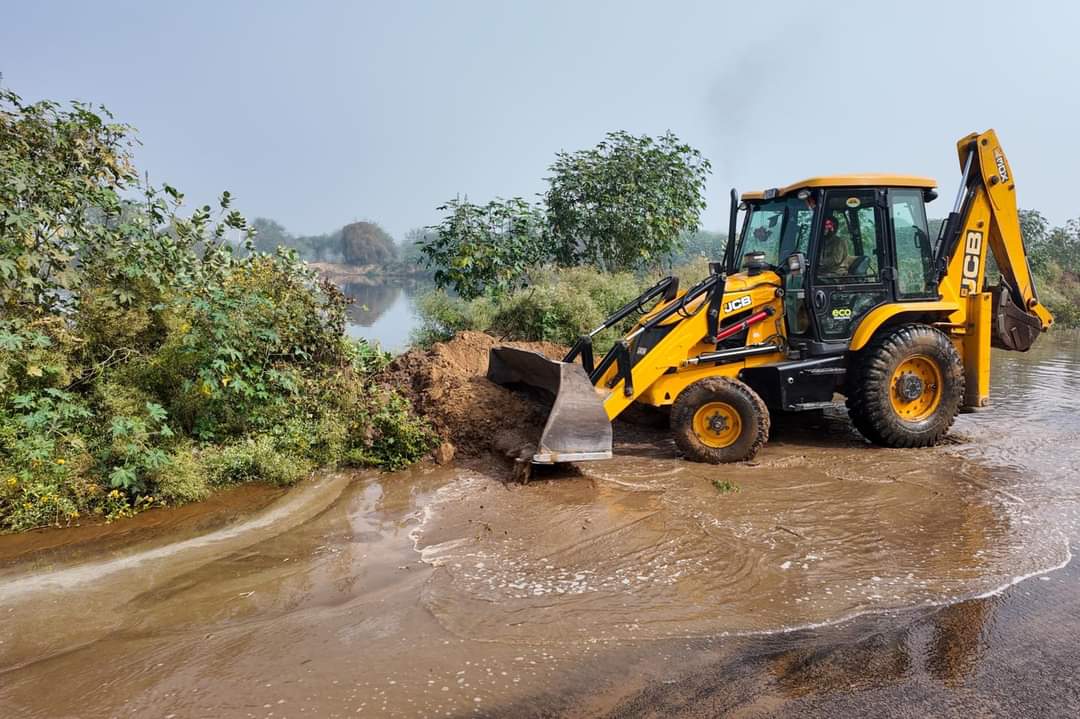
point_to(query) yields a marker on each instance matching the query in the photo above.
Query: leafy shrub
(485, 249)
(253, 459)
(559, 306)
(562, 305)
(443, 315)
(629, 203)
(142, 359)
(624, 203)
(184, 479)
(389, 436)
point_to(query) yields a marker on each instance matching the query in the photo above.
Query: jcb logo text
(737, 304)
(969, 280)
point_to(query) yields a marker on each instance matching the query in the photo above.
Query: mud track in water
(822, 528)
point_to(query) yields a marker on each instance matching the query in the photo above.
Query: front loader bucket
(578, 427)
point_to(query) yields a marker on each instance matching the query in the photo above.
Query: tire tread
(736, 393)
(868, 401)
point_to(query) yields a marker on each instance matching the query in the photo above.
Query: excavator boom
(985, 216)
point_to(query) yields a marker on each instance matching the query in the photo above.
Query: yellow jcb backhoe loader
(833, 285)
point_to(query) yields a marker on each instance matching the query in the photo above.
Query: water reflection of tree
(370, 301)
(959, 640)
(946, 643)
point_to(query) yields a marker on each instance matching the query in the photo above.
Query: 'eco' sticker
(853, 202)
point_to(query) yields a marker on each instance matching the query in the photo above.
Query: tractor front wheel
(719, 420)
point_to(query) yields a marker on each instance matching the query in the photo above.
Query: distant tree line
(358, 244)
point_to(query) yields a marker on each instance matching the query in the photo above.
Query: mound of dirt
(447, 384)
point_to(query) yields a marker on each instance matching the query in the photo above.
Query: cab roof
(861, 180)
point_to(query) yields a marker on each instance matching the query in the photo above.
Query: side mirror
(794, 265)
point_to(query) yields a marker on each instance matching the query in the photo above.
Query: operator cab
(843, 245)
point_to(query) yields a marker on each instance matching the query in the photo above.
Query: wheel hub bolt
(717, 423)
(910, 387)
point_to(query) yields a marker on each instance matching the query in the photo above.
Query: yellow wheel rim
(717, 424)
(915, 388)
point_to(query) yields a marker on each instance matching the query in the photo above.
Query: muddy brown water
(631, 587)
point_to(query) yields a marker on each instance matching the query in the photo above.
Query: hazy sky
(320, 113)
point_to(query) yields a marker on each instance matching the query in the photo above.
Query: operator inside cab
(834, 250)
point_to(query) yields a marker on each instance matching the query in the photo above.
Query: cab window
(914, 254)
(763, 231)
(777, 228)
(850, 251)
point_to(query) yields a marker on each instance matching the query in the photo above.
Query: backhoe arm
(985, 214)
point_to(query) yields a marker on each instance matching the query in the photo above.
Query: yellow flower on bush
(226, 380)
(61, 461)
(12, 481)
(115, 494)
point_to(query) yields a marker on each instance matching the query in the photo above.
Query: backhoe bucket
(577, 428)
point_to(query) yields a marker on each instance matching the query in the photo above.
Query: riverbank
(340, 273)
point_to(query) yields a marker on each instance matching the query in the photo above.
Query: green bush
(253, 459)
(142, 357)
(560, 306)
(184, 479)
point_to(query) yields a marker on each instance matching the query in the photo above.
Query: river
(840, 579)
(384, 310)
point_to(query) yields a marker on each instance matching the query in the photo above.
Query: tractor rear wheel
(905, 388)
(719, 419)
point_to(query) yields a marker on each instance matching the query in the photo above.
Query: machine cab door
(850, 272)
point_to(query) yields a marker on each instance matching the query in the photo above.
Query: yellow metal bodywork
(962, 310)
(858, 180)
(876, 318)
(662, 374)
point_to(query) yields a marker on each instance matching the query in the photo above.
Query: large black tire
(906, 387)
(732, 421)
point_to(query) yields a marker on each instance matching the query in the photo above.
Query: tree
(624, 203)
(269, 235)
(485, 249)
(64, 172)
(365, 243)
(411, 251)
(696, 245)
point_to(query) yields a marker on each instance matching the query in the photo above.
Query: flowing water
(444, 592)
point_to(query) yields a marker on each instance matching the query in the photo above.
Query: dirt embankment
(447, 384)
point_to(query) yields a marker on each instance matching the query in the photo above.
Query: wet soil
(447, 384)
(839, 578)
(91, 539)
